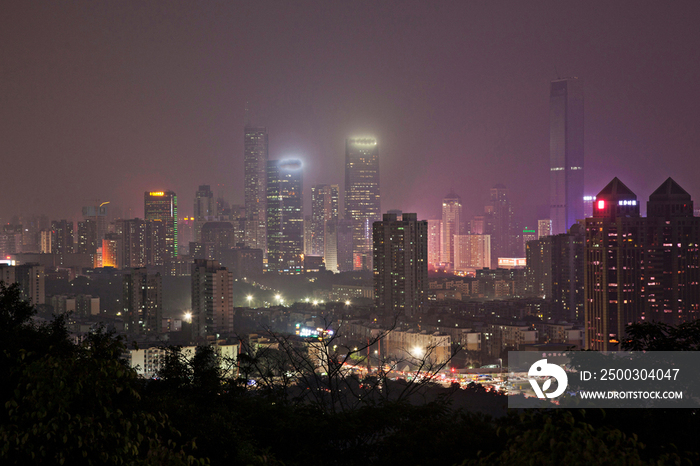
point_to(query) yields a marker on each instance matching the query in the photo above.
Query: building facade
(285, 216)
(255, 142)
(143, 301)
(212, 299)
(472, 252)
(451, 226)
(162, 206)
(500, 225)
(640, 269)
(400, 264)
(324, 209)
(30, 278)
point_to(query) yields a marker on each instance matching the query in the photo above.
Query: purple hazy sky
(105, 100)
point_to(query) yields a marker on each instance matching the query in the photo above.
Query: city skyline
(111, 111)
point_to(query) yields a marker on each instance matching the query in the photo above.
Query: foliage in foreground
(71, 403)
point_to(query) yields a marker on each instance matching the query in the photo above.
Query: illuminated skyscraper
(640, 269)
(565, 153)
(255, 156)
(434, 241)
(451, 222)
(400, 264)
(362, 200)
(324, 209)
(285, 216)
(162, 205)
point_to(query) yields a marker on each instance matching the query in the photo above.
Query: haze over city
(108, 100)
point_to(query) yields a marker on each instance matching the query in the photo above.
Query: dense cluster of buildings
(577, 278)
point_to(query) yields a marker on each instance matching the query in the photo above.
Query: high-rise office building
(324, 209)
(565, 153)
(640, 269)
(308, 234)
(451, 226)
(671, 257)
(400, 264)
(330, 246)
(162, 205)
(500, 225)
(362, 198)
(143, 301)
(212, 299)
(285, 216)
(434, 242)
(255, 160)
(204, 209)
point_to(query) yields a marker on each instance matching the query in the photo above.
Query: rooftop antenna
(556, 72)
(247, 114)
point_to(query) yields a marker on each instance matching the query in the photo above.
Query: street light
(249, 298)
(188, 317)
(417, 351)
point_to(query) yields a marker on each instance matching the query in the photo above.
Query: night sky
(105, 100)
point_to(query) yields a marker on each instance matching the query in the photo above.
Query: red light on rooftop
(601, 204)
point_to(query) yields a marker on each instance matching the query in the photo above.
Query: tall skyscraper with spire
(362, 200)
(255, 160)
(565, 153)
